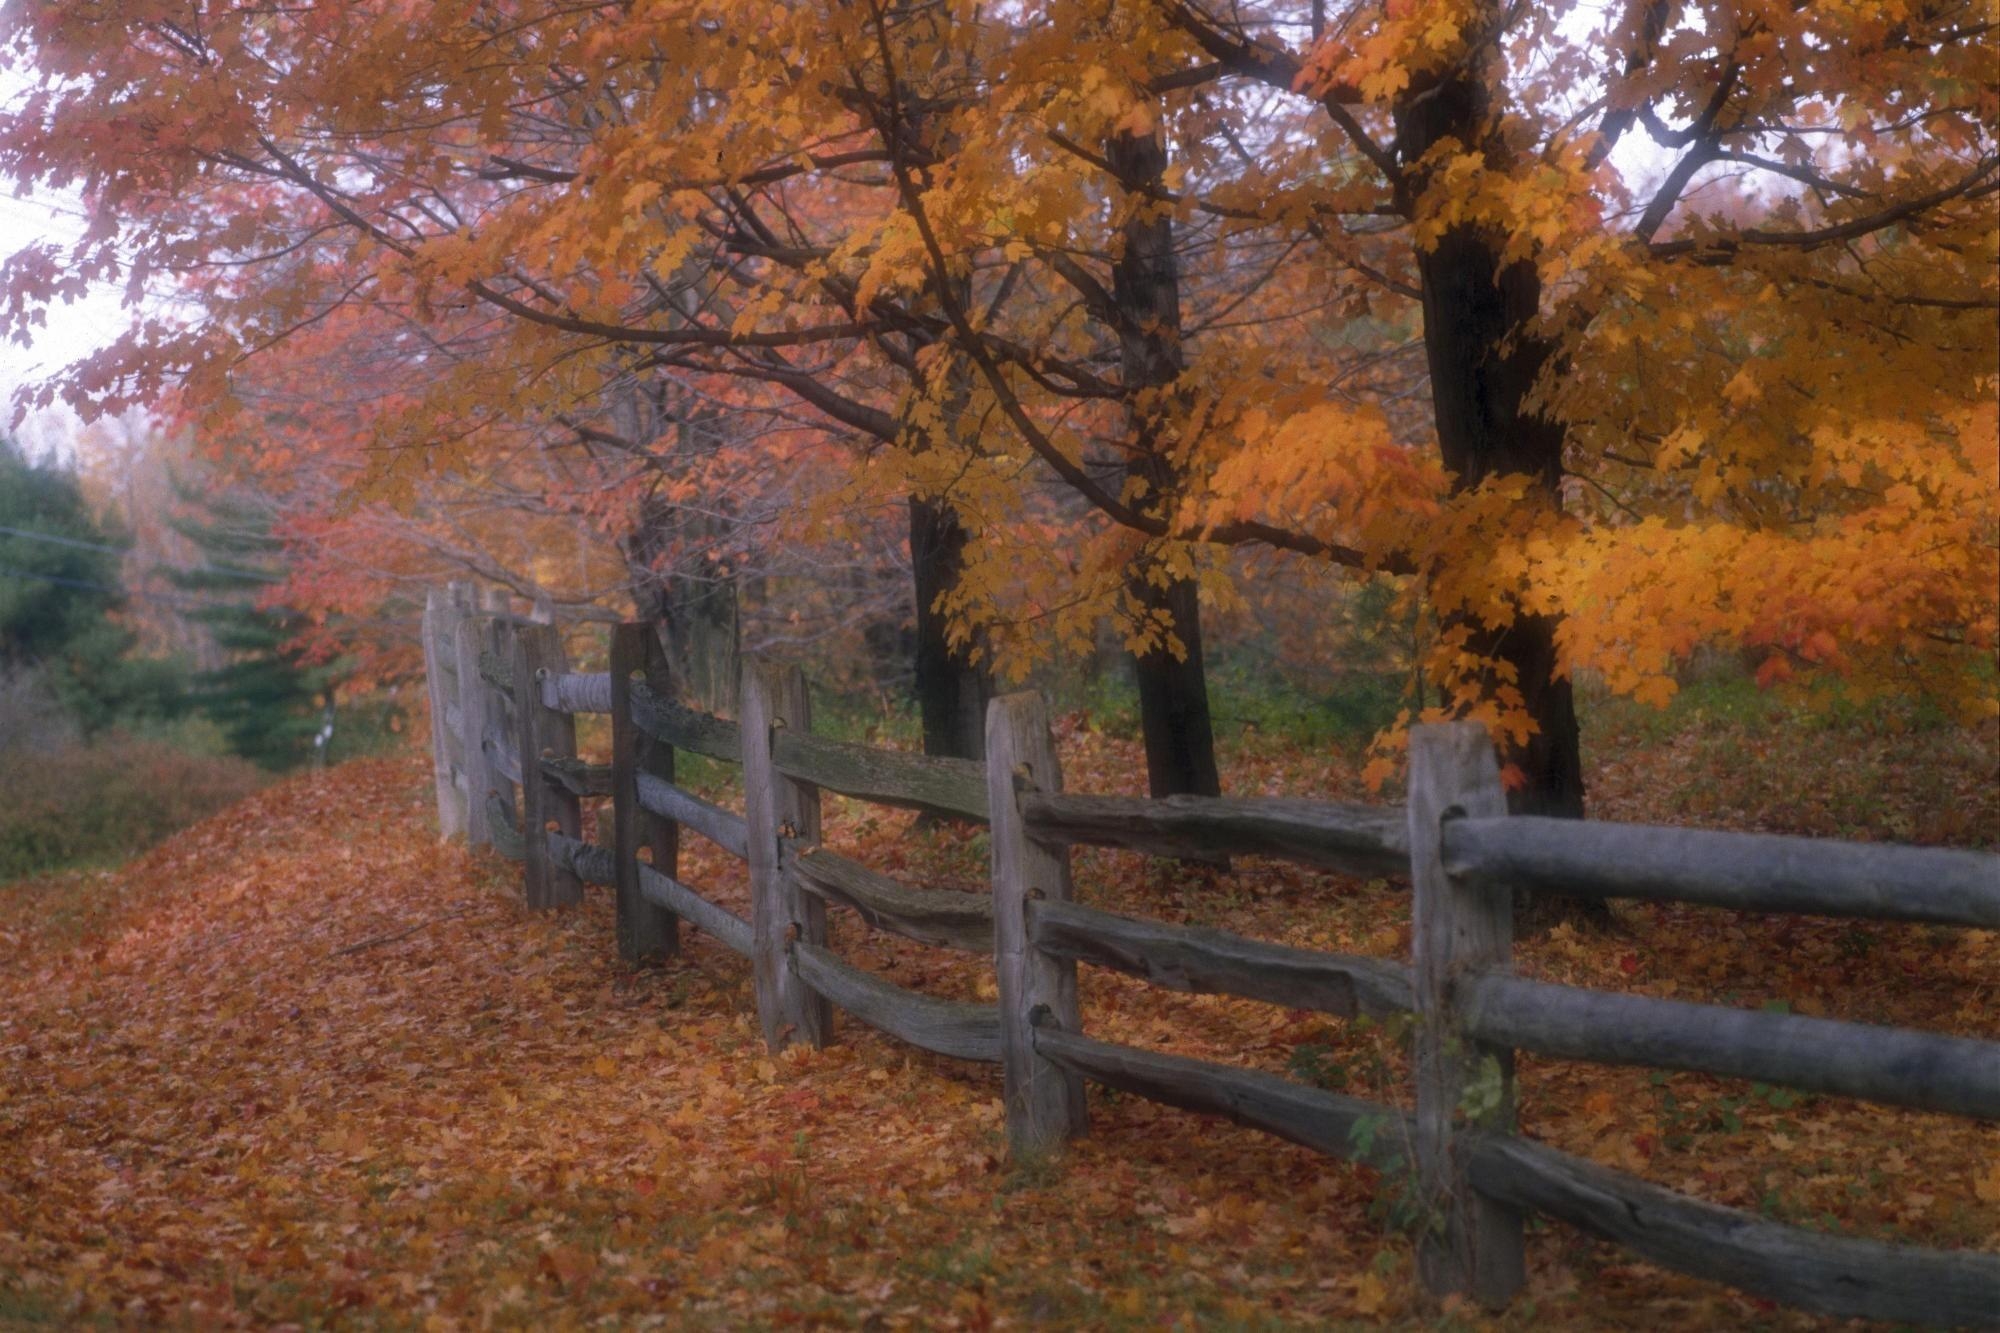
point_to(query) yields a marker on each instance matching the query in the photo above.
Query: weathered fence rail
(503, 703)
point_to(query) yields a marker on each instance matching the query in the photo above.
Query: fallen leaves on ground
(309, 1065)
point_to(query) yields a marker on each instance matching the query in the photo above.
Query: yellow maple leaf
(1441, 34)
(1743, 389)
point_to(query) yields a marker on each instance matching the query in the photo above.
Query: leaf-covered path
(304, 1064)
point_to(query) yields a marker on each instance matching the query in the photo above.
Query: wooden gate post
(475, 712)
(1045, 1105)
(440, 668)
(777, 807)
(502, 743)
(462, 605)
(1457, 932)
(543, 732)
(647, 932)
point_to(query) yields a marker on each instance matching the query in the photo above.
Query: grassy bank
(99, 803)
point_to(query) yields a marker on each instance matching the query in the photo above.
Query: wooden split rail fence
(503, 709)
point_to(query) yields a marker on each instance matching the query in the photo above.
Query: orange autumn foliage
(1703, 293)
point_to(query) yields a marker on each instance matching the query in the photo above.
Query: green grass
(1246, 705)
(27, 1309)
(1728, 752)
(889, 721)
(1726, 698)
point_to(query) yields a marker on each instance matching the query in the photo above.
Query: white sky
(73, 331)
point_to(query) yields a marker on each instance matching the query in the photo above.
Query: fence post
(475, 713)
(440, 658)
(1045, 1105)
(1457, 932)
(463, 603)
(543, 731)
(503, 735)
(777, 807)
(647, 932)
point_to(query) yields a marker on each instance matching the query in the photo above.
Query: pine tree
(58, 568)
(60, 586)
(266, 700)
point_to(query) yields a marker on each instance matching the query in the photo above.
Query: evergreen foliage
(59, 587)
(58, 570)
(268, 702)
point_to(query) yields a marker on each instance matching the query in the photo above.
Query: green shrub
(374, 724)
(107, 800)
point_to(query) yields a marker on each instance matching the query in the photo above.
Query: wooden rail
(1214, 962)
(595, 865)
(1354, 839)
(1879, 1064)
(685, 728)
(502, 707)
(1326, 1122)
(1830, 1275)
(968, 1031)
(724, 828)
(888, 777)
(929, 916)
(1756, 872)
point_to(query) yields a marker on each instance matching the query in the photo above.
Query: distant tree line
(71, 668)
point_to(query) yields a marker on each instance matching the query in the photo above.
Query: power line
(247, 575)
(55, 540)
(179, 603)
(47, 207)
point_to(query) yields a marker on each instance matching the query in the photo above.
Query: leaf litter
(308, 1066)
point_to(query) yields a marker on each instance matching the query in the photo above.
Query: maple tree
(599, 514)
(1117, 285)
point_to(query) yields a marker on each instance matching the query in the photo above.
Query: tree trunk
(951, 692)
(1173, 700)
(1145, 285)
(693, 601)
(704, 636)
(1484, 360)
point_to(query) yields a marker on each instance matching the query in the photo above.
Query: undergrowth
(97, 803)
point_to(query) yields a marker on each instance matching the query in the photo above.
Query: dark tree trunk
(696, 609)
(1484, 361)
(705, 635)
(678, 583)
(1145, 285)
(951, 692)
(1173, 701)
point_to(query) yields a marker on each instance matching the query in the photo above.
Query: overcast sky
(74, 331)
